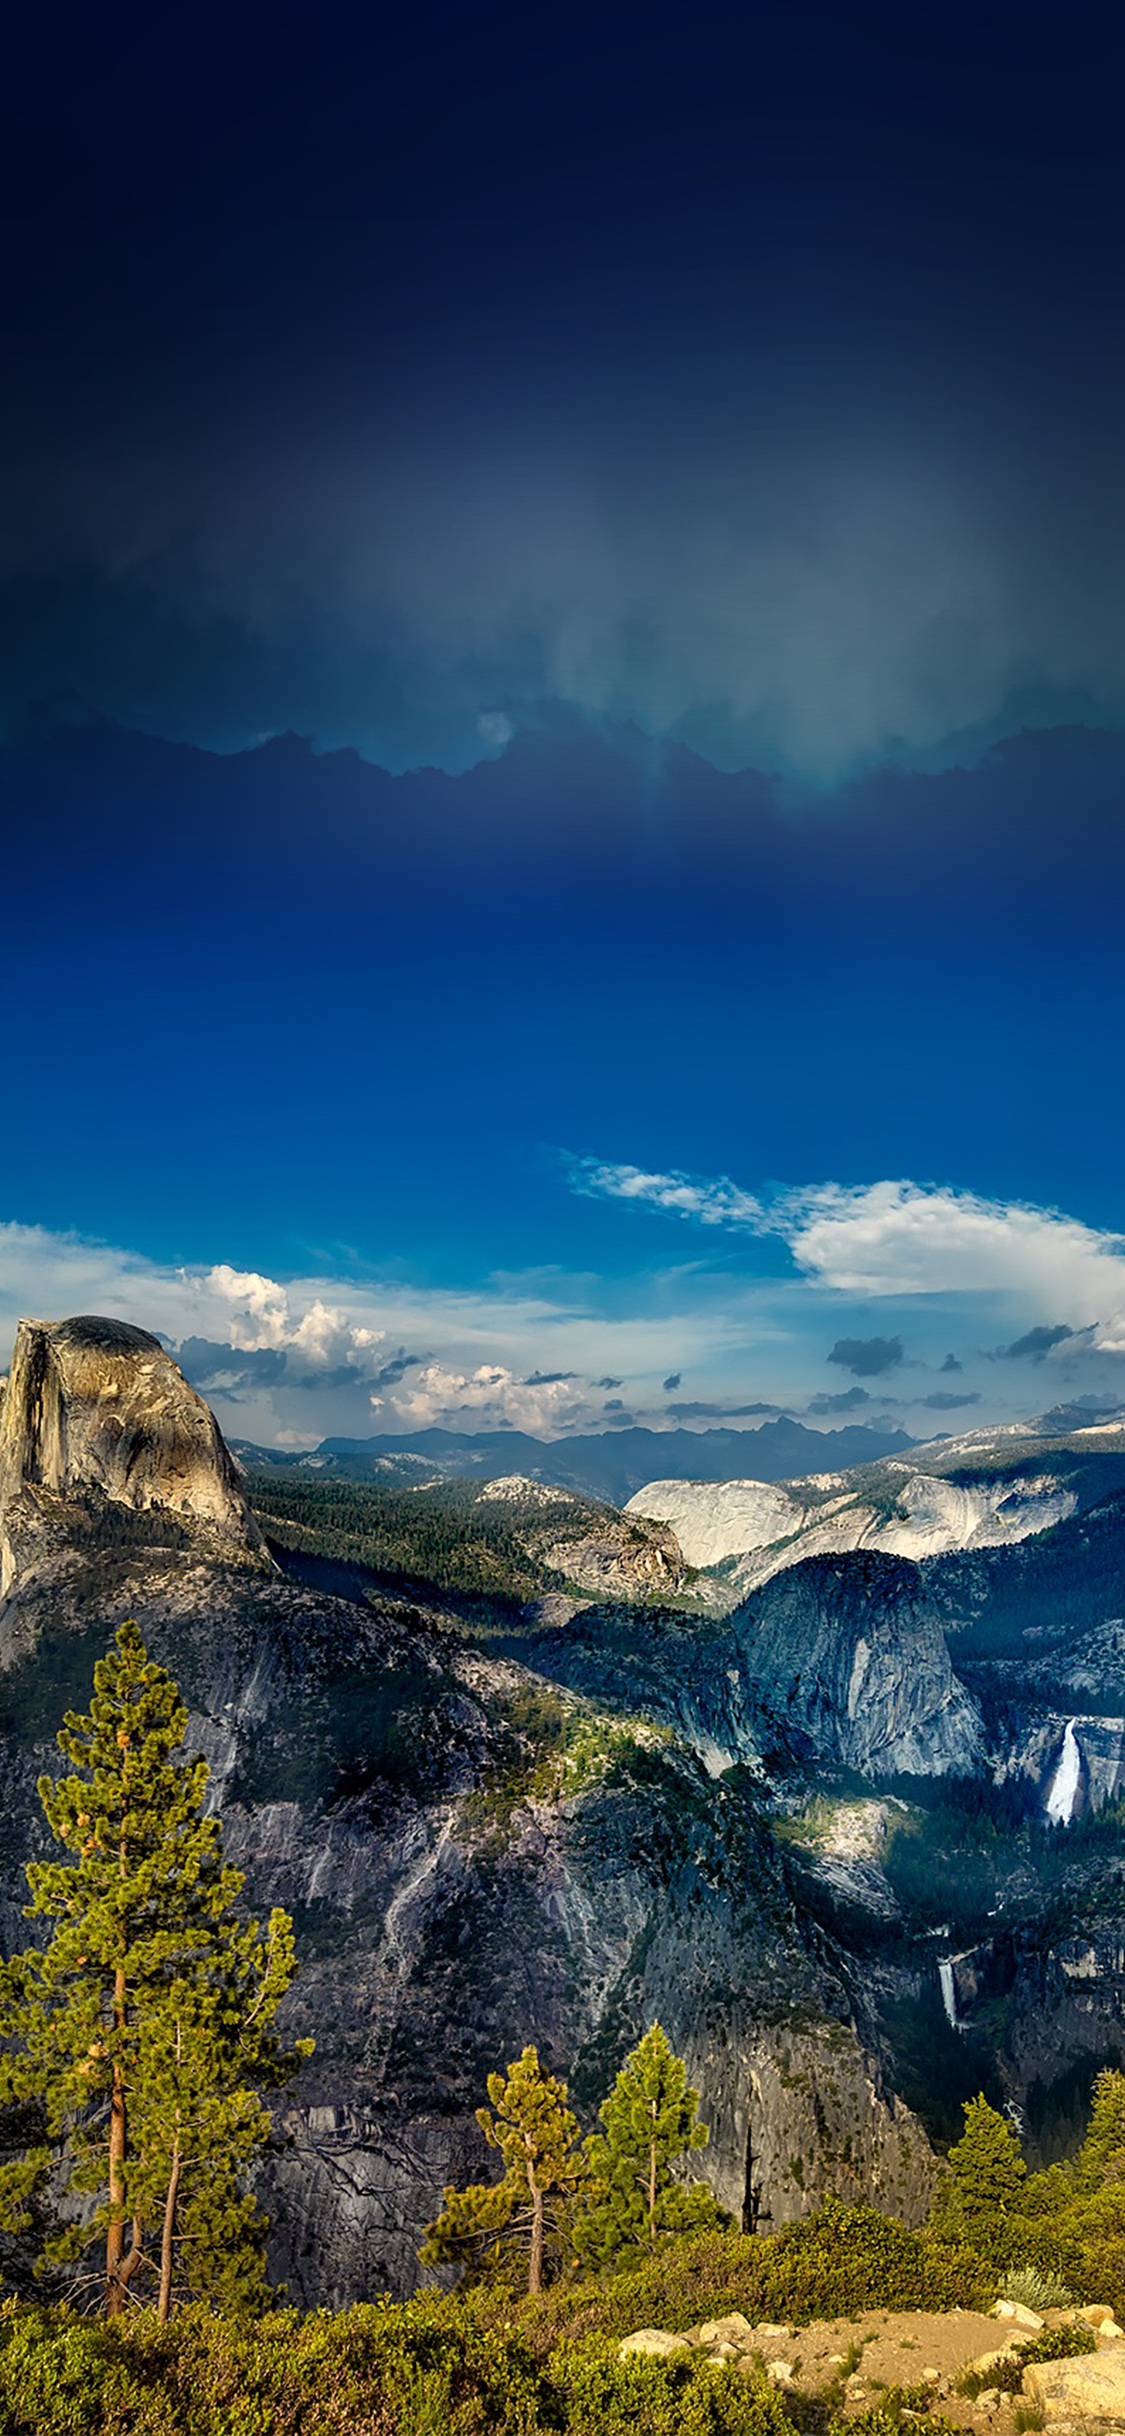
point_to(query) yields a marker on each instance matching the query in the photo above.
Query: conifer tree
(536, 2135)
(141, 2032)
(630, 2200)
(982, 2192)
(1101, 2158)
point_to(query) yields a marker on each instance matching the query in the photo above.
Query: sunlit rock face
(94, 1406)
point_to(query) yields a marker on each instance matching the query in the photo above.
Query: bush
(604, 2396)
(1035, 2288)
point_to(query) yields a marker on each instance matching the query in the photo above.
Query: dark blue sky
(697, 436)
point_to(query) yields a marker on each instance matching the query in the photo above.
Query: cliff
(473, 1857)
(95, 1408)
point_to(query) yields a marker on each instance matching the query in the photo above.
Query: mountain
(473, 1852)
(96, 1408)
(607, 1464)
(989, 1488)
(855, 1835)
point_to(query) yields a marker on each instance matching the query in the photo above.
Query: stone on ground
(1091, 2388)
(653, 2343)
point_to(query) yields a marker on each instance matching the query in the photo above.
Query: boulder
(735, 2329)
(990, 2359)
(1018, 2314)
(1100, 2316)
(652, 2343)
(1088, 2389)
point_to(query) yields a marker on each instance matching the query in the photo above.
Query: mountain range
(612, 1464)
(853, 1834)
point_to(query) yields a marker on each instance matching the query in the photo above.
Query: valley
(524, 1765)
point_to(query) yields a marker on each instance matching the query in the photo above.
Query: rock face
(850, 1653)
(96, 1406)
(991, 1489)
(841, 1660)
(455, 1891)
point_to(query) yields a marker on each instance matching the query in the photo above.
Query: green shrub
(886, 2419)
(1034, 2288)
(604, 2396)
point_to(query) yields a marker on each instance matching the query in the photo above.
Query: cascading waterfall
(949, 1994)
(1063, 1788)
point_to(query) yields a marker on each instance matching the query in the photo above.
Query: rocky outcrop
(755, 1530)
(591, 1545)
(367, 1767)
(97, 1408)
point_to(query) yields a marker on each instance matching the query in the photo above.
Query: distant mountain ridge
(609, 1464)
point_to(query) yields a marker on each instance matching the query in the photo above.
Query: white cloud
(468, 1356)
(903, 1240)
(490, 1394)
(715, 1201)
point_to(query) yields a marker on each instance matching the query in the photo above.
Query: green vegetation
(629, 2200)
(139, 2041)
(136, 2040)
(981, 2193)
(439, 1536)
(537, 2137)
(426, 2368)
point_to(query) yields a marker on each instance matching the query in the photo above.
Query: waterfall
(1064, 1783)
(949, 1994)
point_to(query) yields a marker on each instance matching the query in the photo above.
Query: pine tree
(985, 2185)
(630, 2200)
(1101, 2158)
(536, 2135)
(140, 2033)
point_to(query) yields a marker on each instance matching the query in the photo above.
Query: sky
(562, 709)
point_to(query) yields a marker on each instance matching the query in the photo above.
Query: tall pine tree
(536, 2134)
(980, 2198)
(139, 2035)
(630, 2200)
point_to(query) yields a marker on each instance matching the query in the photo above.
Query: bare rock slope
(474, 1855)
(97, 1407)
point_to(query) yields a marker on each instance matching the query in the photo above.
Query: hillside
(855, 1837)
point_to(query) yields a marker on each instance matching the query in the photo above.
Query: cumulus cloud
(943, 1403)
(673, 1380)
(867, 1356)
(896, 1239)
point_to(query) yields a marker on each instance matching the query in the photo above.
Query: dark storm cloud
(1036, 1343)
(282, 453)
(867, 1356)
(848, 1402)
(208, 1364)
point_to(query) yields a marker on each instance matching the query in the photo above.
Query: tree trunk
(535, 2263)
(164, 2302)
(115, 2229)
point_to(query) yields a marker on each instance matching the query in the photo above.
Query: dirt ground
(863, 2357)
